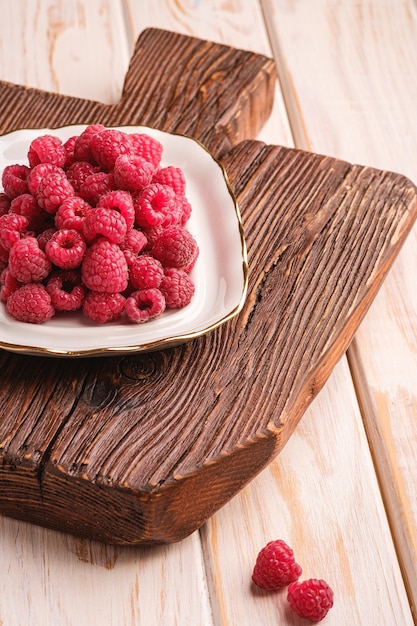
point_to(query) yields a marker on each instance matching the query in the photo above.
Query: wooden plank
(320, 496)
(360, 104)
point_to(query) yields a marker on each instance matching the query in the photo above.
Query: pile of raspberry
(95, 224)
(276, 568)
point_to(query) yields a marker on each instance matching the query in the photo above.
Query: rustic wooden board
(144, 448)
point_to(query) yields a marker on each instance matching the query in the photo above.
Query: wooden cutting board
(144, 447)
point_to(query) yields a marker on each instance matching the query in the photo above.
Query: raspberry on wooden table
(275, 566)
(27, 262)
(30, 303)
(312, 598)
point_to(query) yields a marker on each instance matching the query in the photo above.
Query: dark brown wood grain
(143, 448)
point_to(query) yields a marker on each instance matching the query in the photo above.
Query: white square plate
(219, 276)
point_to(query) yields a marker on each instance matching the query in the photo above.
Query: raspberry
(69, 152)
(30, 303)
(103, 307)
(72, 213)
(311, 598)
(275, 566)
(96, 185)
(9, 284)
(15, 180)
(175, 247)
(153, 206)
(12, 226)
(120, 201)
(104, 267)
(184, 209)
(38, 172)
(144, 305)
(147, 147)
(53, 189)
(105, 222)
(132, 172)
(177, 288)
(146, 272)
(82, 146)
(78, 172)
(171, 176)
(45, 236)
(134, 242)
(66, 248)
(46, 149)
(4, 204)
(27, 262)
(107, 145)
(66, 290)
(26, 205)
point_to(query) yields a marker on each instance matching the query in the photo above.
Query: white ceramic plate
(220, 274)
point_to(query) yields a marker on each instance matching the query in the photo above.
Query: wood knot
(143, 366)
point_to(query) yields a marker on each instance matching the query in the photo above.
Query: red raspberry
(175, 247)
(132, 172)
(26, 205)
(104, 267)
(66, 290)
(37, 173)
(96, 185)
(4, 204)
(12, 227)
(9, 284)
(72, 213)
(120, 201)
(153, 206)
(45, 236)
(78, 172)
(27, 262)
(53, 189)
(275, 566)
(146, 147)
(177, 288)
(104, 222)
(146, 272)
(15, 180)
(184, 209)
(312, 598)
(69, 146)
(82, 147)
(134, 242)
(107, 145)
(47, 149)
(171, 176)
(144, 305)
(30, 303)
(66, 248)
(103, 307)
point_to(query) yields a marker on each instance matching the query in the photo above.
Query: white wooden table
(343, 493)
